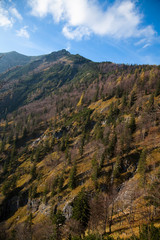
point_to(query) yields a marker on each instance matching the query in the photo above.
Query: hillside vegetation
(79, 150)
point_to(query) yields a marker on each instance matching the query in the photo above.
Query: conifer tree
(142, 166)
(33, 171)
(81, 210)
(117, 166)
(60, 183)
(81, 147)
(72, 177)
(132, 124)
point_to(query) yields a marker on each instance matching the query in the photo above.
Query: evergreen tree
(132, 124)
(58, 220)
(112, 145)
(81, 147)
(132, 99)
(81, 210)
(33, 171)
(117, 166)
(151, 103)
(72, 177)
(142, 166)
(124, 101)
(157, 92)
(60, 183)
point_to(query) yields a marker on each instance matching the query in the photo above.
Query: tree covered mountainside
(79, 149)
(13, 59)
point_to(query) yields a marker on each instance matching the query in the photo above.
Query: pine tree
(112, 145)
(81, 210)
(132, 99)
(60, 183)
(33, 171)
(132, 124)
(81, 147)
(142, 166)
(151, 103)
(157, 92)
(72, 177)
(117, 166)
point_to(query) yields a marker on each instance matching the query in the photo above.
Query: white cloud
(146, 45)
(5, 20)
(15, 13)
(23, 32)
(8, 16)
(82, 18)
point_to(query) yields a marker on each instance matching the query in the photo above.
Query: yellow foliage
(119, 79)
(80, 101)
(24, 179)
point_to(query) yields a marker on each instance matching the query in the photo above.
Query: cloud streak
(23, 32)
(82, 18)
(15, 13)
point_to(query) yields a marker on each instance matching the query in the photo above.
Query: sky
(121, 31)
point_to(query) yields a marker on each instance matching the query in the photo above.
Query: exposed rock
(45, 209)
(33, 205)
(68, 211)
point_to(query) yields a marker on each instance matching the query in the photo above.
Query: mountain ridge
(76, 132)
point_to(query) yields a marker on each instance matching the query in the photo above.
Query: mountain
(19, 86)
(13, 59)
(79, 149)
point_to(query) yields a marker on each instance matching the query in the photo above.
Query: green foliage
(113, 113)
(157, 92)
(81, 147)
(132, 99)
(58, 218)
(72, 177)
(81, 210)
(142, 166)
(98, 131)
(124, 100)
(117, 167)
(102, 160)
(126, 139)
(112, 145)
(150, 106)
(33, 191)
(54, 186)
(68, 156)
(9, 185)
(37, 154)
(153, 191)
(95, 171)
(33, 171)
(149, 232)
(132, 124)
(60, 183)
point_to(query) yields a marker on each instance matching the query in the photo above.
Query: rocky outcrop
(33, 205)
(68, 211)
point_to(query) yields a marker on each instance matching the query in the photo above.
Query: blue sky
(121, 31)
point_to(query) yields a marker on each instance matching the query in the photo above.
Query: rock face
(44, 209)
(33, 205)
(67, 211)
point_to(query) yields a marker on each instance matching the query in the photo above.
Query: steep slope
(13, 59)
(79, 124)
(40, 78)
